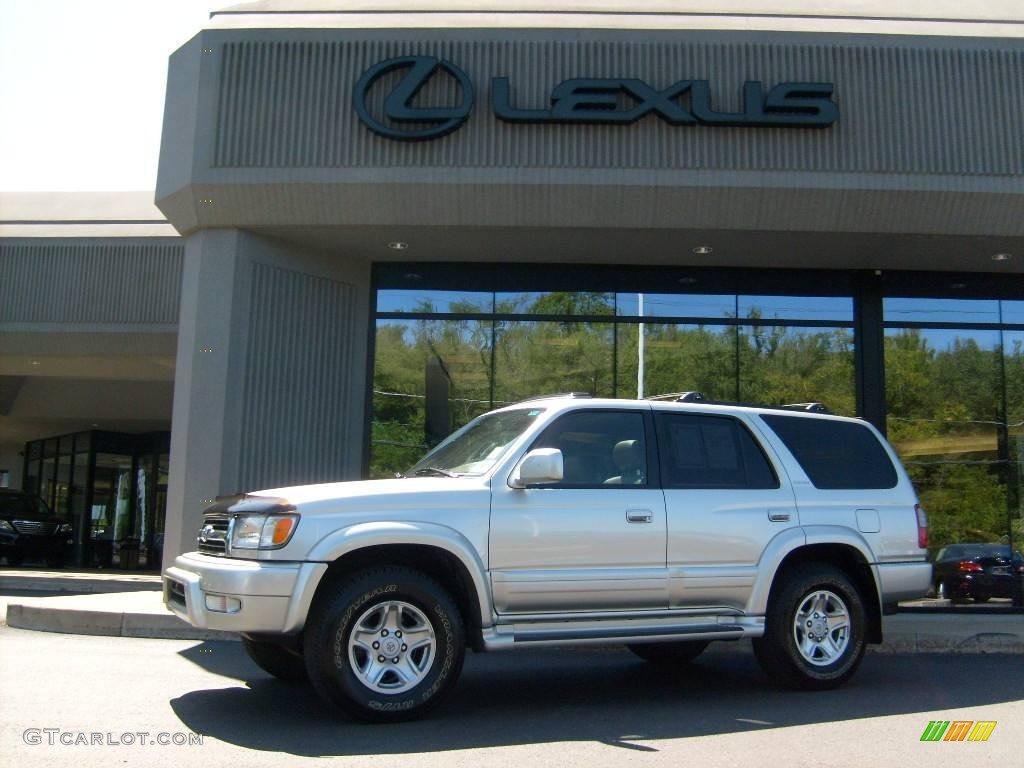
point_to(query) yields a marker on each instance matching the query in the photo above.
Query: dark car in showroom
(30, 531)
(976, 571)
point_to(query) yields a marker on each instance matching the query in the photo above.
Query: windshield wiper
(434, 472)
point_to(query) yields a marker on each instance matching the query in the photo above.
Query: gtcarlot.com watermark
(51, 737)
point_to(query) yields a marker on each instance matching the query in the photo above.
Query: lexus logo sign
(398, 109)
(594, 101)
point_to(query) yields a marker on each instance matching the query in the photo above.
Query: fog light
(223, 604)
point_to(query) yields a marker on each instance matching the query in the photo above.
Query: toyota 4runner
(570, 520)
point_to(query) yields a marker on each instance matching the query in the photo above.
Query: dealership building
(375, 220)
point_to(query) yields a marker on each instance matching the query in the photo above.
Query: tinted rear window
(711, 452)
(836, 455)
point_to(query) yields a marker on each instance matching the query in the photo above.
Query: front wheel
(815, 630)
(276, 660)
(386, 646)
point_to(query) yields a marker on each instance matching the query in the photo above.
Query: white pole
(640, 353)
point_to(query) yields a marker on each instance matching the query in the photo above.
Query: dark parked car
(978, 571)
(29, 530)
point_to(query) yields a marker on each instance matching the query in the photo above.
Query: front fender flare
(339, 543)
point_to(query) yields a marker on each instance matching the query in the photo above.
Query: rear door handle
(779, 515)
(639, 515)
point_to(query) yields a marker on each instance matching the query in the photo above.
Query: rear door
(725, 500)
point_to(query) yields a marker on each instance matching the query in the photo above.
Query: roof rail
(811, 407)
(697, 397)
(680, 397)
(574, 395)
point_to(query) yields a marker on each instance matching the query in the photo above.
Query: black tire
(276, 660)
(981, 597)
(814, 669)
(333, 664)
(669, 654)
(15, 559)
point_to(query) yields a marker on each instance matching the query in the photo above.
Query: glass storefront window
(901, 310)
(676, 305)
(944, 391)
(830, 308)
(112, 497)
(679, 358)
(428, 302)
(1012, 312)
(786, 364)
(572, 304)
(546, 357)
(1013, 361)
(454, 356)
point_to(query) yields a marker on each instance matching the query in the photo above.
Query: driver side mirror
(542, 465)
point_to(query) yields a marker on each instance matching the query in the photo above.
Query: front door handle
(639, 515)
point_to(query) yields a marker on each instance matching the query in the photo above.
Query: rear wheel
(815, 629)
(386, 646)
(981, 597)
(276, 660)
(669, 654)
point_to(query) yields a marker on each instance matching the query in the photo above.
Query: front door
(595, 540)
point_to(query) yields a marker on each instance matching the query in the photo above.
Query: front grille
(34, 527)
(213, 536)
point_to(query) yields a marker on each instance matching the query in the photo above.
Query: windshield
(478, 446)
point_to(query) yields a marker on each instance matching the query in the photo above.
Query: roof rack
(574, 395)
(697, 397)
(680, 397)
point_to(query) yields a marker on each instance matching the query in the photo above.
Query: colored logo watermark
(958, 730)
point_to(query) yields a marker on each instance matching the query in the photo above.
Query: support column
(270, 377)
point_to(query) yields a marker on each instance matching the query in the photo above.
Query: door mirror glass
(542, 465)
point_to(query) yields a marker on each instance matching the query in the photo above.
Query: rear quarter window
(836, 455)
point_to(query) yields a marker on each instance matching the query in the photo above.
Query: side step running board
(505, 636)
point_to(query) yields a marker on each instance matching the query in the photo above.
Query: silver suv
(570, 520)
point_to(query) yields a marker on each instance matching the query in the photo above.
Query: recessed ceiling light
(958, 286)
(35, 362)
(413, 276)
(398, 245)
(703, 249)
(1002, 256)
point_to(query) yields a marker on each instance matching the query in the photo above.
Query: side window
(599, 448)
(836, 455)
(711, 452)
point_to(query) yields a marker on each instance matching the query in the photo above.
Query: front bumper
(241, 595)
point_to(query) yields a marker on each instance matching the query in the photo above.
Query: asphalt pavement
(128, 604)
(586, 708)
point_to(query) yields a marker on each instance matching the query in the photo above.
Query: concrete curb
(927, 642)
(107, 623)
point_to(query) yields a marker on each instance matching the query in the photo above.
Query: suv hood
(370, 490)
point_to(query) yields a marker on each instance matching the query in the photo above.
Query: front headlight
(262, 531)
(64, 528)
(6, 526)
